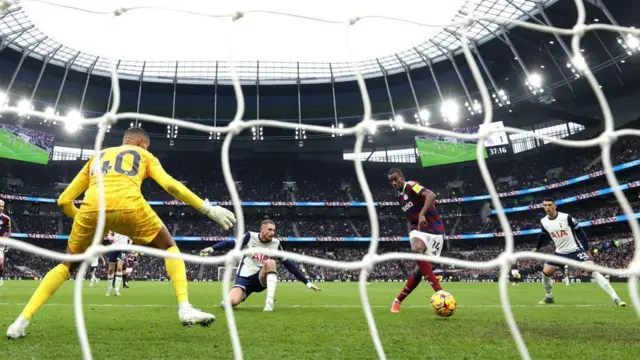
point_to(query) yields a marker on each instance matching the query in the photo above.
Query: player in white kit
(571, 243)
(258, 272)
(94, 265)
(114, 281)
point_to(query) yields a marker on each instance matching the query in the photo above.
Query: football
(443, 304)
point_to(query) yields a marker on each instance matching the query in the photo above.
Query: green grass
(22, 150)
(143, 324)
(438, 152)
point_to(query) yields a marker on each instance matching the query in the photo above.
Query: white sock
(118, 280)
(272, 281)
(604, 285)
(548, 283)
(23, 321)
(183, 305)
(109, 282)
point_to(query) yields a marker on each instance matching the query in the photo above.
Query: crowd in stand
(285, 181)
(151, 268)
(36, 220)
(260, 180)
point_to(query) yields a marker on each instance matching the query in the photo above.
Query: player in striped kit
(129, 260)
(427, 236)
(116, 260)
(570, 242)
(5, 231)
(258, 272)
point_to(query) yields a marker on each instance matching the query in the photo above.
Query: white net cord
(605, 140)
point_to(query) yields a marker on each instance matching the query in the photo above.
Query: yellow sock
(178, 275)
(49, 285)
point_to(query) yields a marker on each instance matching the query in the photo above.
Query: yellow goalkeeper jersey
(123, 169)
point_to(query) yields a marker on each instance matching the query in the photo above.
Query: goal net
(232, 270)
(366, 126)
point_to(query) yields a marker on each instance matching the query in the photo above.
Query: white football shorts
(434, 242)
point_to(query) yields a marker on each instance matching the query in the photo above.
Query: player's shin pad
(548, 284)
(604, 284)
(272, 282)
(49, 285)
(178, 274)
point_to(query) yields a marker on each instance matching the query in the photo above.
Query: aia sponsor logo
(260, 257)
(559, 234)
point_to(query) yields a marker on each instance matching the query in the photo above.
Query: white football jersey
(562, 230)
(120, 239)
(251, 264)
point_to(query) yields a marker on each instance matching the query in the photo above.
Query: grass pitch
(143, 324)
(20, 149)
(437, 152)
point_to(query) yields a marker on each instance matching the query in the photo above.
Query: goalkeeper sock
(427, 271)
(51, 282)
(118, 281)
(604, 285)
(272, 281)
(178, 275)
(412, 283)
(548, 283)
(109, 282)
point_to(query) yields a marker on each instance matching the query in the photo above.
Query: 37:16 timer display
(499, 150)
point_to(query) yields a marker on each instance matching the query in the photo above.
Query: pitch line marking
(334, 306)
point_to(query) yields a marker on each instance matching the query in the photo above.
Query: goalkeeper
(127, 212)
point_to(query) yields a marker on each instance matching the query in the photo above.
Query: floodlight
(72, 121)
(450, 111)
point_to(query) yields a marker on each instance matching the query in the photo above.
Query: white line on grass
(334, 306)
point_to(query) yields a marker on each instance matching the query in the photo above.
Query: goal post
(221, 272)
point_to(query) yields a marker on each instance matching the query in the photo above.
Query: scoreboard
(434, 150)
(497, 143)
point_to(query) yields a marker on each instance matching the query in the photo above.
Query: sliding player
(571, 242)
(127, 212)
(258, 272)
(94, 266)
(427, 236)
(116, 262)
(5, 231)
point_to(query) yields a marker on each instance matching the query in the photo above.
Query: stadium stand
(263, 181)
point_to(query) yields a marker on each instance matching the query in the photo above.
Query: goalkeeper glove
(220, 215)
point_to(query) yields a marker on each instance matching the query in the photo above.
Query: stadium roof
(159, 45)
